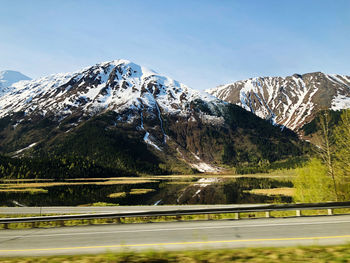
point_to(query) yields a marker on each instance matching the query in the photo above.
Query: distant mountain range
(291, 101)
(9, 77)
(123, 117)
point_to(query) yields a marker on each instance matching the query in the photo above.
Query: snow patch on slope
(291, 101)
(26, 148)
(340, 102)
(115, 85)
(203, 166)
(148, 141)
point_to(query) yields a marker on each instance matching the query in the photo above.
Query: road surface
(323, 230)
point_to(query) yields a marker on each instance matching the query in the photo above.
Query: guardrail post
(298, 212)
(267, 214)
(61, 223)
(6, 226)
(330, 211)
(236, 216)
(209, 217)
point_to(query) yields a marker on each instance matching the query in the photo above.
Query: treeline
(315, 125)
(102, 146)
(266, 146)
(265, 166)
(114, 148)
(55, 167)
(96, 148)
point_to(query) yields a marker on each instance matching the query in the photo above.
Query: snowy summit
(116, 85)
(9, 77)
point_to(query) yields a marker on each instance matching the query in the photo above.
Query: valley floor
(149, 190)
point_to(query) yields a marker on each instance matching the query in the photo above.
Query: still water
(162, 192)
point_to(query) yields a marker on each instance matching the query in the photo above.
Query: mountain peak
(136, 116)
(9, 77)
(296, 75)
(114, 85)
(291, 101)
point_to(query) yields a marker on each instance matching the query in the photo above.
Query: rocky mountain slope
(291, 101)
(8, 78)
(118, 85)
(119, 115)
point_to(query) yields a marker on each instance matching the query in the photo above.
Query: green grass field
(317, 254)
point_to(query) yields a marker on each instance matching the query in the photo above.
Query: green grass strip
(320, 254)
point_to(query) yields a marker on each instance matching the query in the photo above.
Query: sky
(201, 43)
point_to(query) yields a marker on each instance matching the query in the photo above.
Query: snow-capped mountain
(132, 113)
(291, 101)
(9, 77)
(140, 97)
(117, 85)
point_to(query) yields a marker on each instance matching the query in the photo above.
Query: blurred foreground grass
(340, 253)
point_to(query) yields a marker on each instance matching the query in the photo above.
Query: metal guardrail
(179, 212)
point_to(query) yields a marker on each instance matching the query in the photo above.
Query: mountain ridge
(291, 101)
(125, 117)
(8, 78)
(102, 77)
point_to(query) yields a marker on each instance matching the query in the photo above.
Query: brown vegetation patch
(111, 182)
(117, 195)
(286, 191)
(141, 191)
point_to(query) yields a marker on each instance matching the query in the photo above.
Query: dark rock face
(291, 101)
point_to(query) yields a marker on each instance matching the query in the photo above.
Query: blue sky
(200, 43)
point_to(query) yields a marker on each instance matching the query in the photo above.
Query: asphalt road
(323, 230)
(103, 209)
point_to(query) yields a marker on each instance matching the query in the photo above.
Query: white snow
(286, 101)
(196, 156)
(293, 107)
(148, 140)
(204, 167)
(340, 102)
(337, 79)
(26, 148)
(134, 86)
(204, 182)
(9, 77)
(196, 193)
(158, 202)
